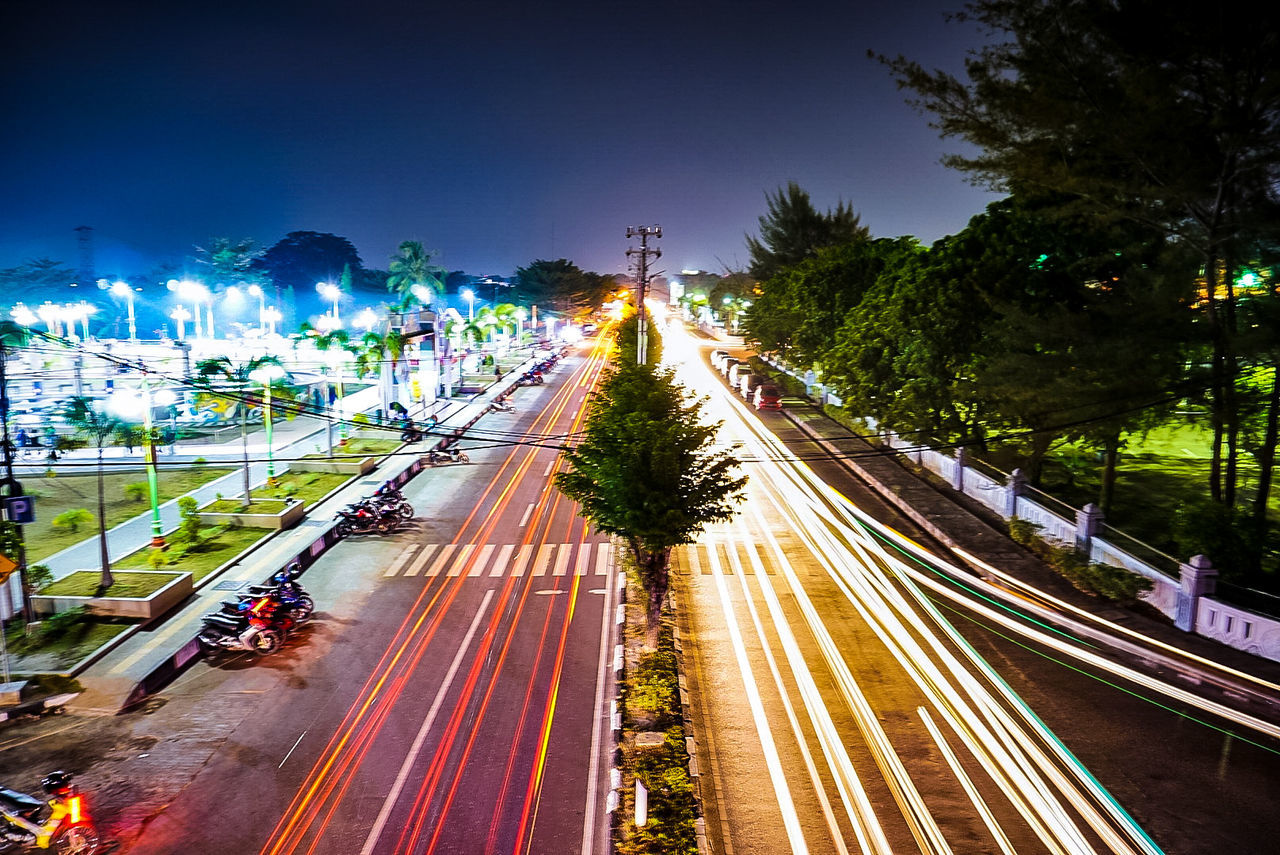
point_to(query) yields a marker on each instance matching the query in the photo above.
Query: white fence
(1234, 626)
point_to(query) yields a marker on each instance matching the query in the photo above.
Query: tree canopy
(562, 286)
(301, 259)
(794, 230)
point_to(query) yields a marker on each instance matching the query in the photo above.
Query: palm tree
(100, 427)
(326, 341)
(239, 376)
(384, 353)
(411, 267)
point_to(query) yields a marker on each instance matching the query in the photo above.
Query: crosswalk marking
(486, 552)
(544, 558)
(522, 558)
(504, 558)
(421, 561)
(604, 555)
(583, 564)
(524, 520)
(461, 561)
(395, 566)
(442, 560)
(562, 560)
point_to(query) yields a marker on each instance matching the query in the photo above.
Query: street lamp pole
(153, 483)
(470, 297)
(124, 289)
(642, 279)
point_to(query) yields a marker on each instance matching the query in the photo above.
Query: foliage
(58, 625)
(235, 262)
(561, 286)
(156, 559)
(189, 512)
(410, 266)
(1112, 583)
(1077, 98)
(644, 471)
(301, 259)
(626, 342)
(137, 491)
(72, 520)
(38, 576)
(793, 230)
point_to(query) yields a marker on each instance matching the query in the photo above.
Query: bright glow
(21, 314)
(128, 405)
(233, 295)
(422, 292)
(467, 294)
(165, 397)
(329, 291)
(192, 292)
(328, 323)
(255, 290)
(48, 313)
(366, 319)
(180, 313)
(267, 373)
(121, 289)
(521, 314)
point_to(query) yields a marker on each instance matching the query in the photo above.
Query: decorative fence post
(962, 460)
(1088, 521)
(1017, 486)
(1197, 578)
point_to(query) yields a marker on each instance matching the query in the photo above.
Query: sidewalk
(944, 517)
(109, 681)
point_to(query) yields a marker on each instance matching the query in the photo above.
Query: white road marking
(421, 561)
(604, 556)
(445, 553)
(562, 560)
(524, 520)
(400, 560)
(522, 559)
(461, 561)
(544, 558)
(486, 552)
(583, 564)
(374, 833)
(291, 750)
(597, 728)
(504, 559)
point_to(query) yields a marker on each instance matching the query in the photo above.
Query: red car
(767, 397)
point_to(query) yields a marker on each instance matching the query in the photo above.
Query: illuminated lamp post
(470, 296)
(331, 292)
(265, 376)
(128, 405)
(124, 289)
(521, 314)
(271, 316)
(255, 290)
(24, 316)
(181, 315)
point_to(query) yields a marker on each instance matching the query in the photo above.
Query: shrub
(189, 510)
(156, 559)
(361, 419)
(199, 465)
(137, 491)
(72, 520)
(57, 625)
(1025, 532)
(38, 575)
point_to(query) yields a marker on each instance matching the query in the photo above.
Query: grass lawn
(218, 545)
(309, 487)
(64, 492)
(57, 645)
(362, 446)
(84, 583)
(236, 506)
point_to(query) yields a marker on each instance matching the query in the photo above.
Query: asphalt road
(448, 697)
(840, 713)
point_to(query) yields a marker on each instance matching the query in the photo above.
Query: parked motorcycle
(447, 455)
(287, 593)
(530, 378)
(66, 827)
(392, 501)
(364, 518)
(255, 625)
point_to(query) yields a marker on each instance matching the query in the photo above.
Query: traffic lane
(1185, 782)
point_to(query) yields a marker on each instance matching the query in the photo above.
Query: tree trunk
(1216, 398)
(107, 579)
(1040, 442)
(244, 449)
(654, 574)
(1111, 456)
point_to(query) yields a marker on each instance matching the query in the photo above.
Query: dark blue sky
(496, 133)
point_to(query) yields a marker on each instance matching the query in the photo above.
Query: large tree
(1163, 113)
(231, 262)
(794, 230)
(301, 259)
(561, 286)
(222, 376)
(645, 472)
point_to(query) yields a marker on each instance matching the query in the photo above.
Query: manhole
(227, 586)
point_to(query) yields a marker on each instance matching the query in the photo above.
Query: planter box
(288, 518)
(145, 608)
(356, 466)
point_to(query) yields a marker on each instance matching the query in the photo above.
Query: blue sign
(20, 509)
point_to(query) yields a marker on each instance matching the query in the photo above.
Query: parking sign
(20, 509)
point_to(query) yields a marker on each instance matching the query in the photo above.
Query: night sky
(496, 133)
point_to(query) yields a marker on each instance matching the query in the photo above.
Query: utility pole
(642, 254)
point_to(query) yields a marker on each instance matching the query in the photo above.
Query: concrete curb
(38, 706)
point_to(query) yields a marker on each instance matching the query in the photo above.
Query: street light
(329, 291)
(128, 404)
(181, 315)
(521, 314)
(124, 289)
(423, 294)
(265, 376)
(470, 297)
(271, 316)
(255, 290)
(366, 320)
(24, 316)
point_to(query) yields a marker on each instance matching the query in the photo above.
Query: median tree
(645, 472)
(101, 428)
